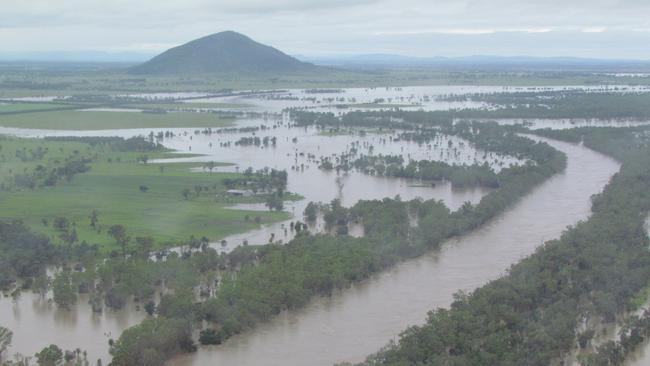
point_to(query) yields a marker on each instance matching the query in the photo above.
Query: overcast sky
(583, 28)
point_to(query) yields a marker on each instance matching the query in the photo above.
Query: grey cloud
(419, 27)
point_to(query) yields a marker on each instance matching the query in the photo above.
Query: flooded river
(37, 322)
(358, 321)
(350, 325)
(31, 317)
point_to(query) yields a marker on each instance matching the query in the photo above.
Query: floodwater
(37, 323)
(360, 320)
(426, 98)
(125, 110)
(297, 150)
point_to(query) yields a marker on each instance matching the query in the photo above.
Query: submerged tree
(51, 355)
(210, 165)
(5, 340)
(64, 293)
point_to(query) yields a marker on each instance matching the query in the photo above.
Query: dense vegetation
(155, 340)
(23, 254)
(428, 170)
(531, 315)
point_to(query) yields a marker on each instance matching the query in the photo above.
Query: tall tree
(51, 355)
(118, 232)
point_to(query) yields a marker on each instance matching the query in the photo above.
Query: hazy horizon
(605, 30)
(127, 57)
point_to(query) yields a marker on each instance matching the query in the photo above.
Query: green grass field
(92, 120)
(113, 190)
(10, 164)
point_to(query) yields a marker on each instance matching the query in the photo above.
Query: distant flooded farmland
(361, 319)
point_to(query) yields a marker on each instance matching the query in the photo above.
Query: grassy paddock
(112, 188)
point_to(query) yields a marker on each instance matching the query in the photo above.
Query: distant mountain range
(225, 52)
(232, 52)
(470, 62)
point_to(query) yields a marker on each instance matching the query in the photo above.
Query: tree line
(531, 315)
(254, 283)
(262, 281)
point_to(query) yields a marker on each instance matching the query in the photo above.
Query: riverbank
(531, 315)
(364, 317)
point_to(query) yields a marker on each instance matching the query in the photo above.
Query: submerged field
(75, 192)
(148, 199)
(103, 120)
(6, 108)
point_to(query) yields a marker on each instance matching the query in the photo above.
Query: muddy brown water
(358, 321)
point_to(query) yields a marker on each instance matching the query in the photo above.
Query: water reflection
(36, 322)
